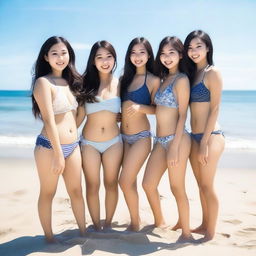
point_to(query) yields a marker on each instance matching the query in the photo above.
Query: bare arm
(43, 96)
(182, 95)
(80, 115)
(214, 83)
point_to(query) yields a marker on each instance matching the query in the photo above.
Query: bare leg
(111, 160)
(91, 159)
(177, 182)
(48, 186)
(215, 148)
(72, 178)
(155, 169)
(134, 157)
(201, 229)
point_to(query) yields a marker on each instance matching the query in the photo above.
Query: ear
(46, 58)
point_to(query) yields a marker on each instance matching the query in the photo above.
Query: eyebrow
(57, 51)
(196, 44)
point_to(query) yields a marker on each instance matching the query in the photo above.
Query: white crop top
(61, 104)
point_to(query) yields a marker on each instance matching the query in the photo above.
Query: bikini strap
(204, 71)
(51, 80)
(145, 77)
(175, 78)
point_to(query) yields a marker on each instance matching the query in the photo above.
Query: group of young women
(179, 76)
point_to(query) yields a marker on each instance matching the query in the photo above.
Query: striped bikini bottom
(67, 149)
(131, 139)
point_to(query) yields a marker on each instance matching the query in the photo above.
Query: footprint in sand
(250, 229)
(19, 192)
(235, 222)
(246, 232)
(226, 235)
(7, 231)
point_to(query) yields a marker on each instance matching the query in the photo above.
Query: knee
(111, 185)
(75, 193)
(92, 188)
(124, 185)
(206, 189)
(47, 194)
(148, 188)
(178, 191)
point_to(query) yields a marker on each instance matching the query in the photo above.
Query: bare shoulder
(213, 77)
(182, 81)
(41, 84)
(212, 73)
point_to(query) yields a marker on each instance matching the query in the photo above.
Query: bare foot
(51, 240)
(186, 239)
(199, 230)
(134, 227)
(176, 227)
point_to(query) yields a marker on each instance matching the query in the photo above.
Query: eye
(199, 46)
(110, 56)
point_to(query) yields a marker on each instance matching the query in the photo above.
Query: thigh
(156, 165)
(134, 159)
(44, 159)
(193, 158)
(215, 148)
(111, 161)
(91, 162)
(177, 173)
(73, 168)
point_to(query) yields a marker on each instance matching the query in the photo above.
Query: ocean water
(237, 118)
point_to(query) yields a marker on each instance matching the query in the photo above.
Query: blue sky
(26, 24)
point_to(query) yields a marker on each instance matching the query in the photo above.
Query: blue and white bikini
(200, 93)
(139, 96)
(112, 105)
(166, 98)
(60, 105)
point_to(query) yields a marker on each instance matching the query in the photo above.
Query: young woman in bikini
(54, 85)
(138, 88)
(101, 142)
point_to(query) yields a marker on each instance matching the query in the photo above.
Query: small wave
(17, 140)
(231, 143)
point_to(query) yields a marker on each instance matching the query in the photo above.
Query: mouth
(168, 63)
(194, 57)
(60, 63)
(105, 67)
(138, 62)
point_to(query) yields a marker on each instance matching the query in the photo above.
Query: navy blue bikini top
(199, 92)
(139, 96)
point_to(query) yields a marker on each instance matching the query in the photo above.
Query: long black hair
(91, 79)
(160, 70)
(42, 68)
(130, 69)
(190, 65)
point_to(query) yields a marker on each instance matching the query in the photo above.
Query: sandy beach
(21, 232)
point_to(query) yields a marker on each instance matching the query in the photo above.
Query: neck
(202, 65)
(141, 70)
(173, 71)
(105, 78)
(56, 74)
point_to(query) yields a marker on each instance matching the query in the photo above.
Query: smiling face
(169, 57)
(104, 61)
(197, 50)
(58, 57)
(139, 55)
